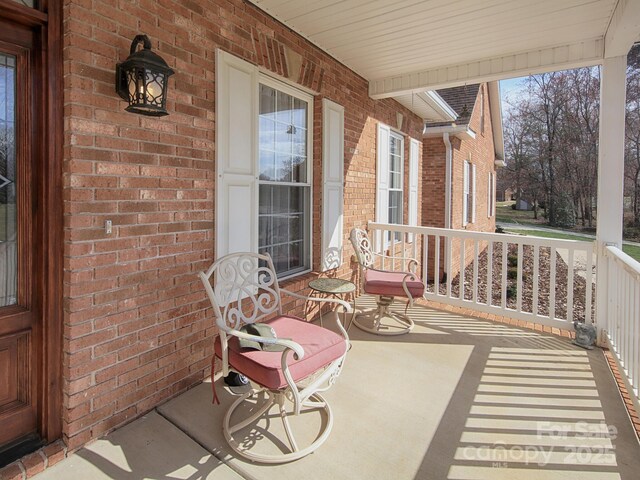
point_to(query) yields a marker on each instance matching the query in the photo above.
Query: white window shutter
(236, 152)
(382, 174)
(473, 193)
(493, 194)
(414, 148)
(465, 192)
(332, 189)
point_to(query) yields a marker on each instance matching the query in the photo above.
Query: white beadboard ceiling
(404, 46)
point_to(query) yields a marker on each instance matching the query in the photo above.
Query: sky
(511, 89)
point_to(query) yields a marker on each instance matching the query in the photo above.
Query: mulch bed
(544, 271)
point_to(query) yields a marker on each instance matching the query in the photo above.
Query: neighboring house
(460, 160)
(503, 194)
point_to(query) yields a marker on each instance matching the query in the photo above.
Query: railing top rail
(629, 264)
(495, 237)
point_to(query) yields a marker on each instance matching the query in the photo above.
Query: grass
(631, 250)
(505, 214)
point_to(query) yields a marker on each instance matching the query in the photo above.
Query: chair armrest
(290, 344)
(345, 305)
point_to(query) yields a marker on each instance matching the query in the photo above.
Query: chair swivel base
(279, 399)
(374, 319)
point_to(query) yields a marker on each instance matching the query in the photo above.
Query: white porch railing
(623, 316)
(539, 280)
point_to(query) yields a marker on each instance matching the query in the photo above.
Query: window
(284, 177)
(396, 168)
(468, 194)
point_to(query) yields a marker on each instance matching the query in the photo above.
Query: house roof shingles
(457, 98)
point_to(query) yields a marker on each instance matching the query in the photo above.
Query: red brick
(13, 471)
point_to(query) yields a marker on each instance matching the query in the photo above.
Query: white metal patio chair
(385, 285)
(243, 289)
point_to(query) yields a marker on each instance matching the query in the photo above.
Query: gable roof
(461, 100)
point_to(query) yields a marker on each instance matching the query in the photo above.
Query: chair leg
(242, 446)
(375, 317)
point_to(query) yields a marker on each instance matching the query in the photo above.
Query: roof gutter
(460, 131)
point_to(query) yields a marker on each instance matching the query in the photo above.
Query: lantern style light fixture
(142, 78)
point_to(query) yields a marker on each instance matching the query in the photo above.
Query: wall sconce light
(142, 78)
(399, 120)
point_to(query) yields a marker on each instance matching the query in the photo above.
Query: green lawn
(631, 250)
(505, 214)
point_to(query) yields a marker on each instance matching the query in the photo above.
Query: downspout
(448, 159)
(447, 185)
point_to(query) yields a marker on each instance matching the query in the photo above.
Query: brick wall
(138, 329)
(479, 151)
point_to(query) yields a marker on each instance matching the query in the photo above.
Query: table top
(336, 286)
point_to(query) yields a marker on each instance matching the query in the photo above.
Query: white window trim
(302, 95)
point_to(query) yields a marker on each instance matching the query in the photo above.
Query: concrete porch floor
(458, 398)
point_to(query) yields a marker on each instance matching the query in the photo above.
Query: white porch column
(613, 82)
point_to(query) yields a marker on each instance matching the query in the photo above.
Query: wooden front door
(30, 345)
(19, 332)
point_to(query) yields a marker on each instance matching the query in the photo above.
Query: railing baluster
(448, 247)
(536, 273)
(636, 334)
(436, 265)
(503, 280)
(490, 273)
(404, 253)
(519, 274)
(552, 284)
(425, 258)
(589, 288)
(475, 271)
(461, 274)
(570, 270)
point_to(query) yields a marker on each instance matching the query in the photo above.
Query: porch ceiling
(404, 46)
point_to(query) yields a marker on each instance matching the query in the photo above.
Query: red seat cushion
(390, 284)
(321, 347)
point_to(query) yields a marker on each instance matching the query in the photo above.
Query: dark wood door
(20, 322)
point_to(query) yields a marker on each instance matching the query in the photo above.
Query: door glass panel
(26, 3)
(8, 225)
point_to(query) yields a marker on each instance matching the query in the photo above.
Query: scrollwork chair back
(243, 288)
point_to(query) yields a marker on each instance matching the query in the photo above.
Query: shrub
(512, 291)
(512, 273)
(512, 260)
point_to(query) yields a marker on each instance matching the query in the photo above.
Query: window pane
(299, 113)
(283, 231)
(8, 219)
(267, 137)
(26, 3)
(283, 167)
(267, 102)
(284, 107)
(395, 207)
(267, 165)
(396, 145)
